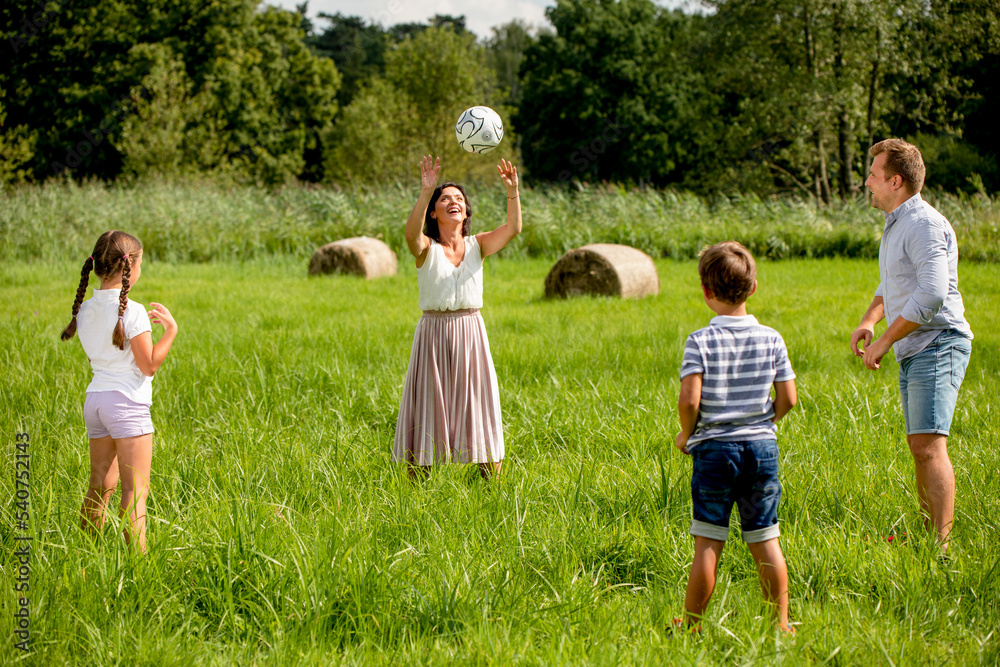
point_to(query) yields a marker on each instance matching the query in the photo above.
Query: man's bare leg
(935, 481)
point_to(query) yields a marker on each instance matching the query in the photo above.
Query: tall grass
(203, 222)
(282, 533)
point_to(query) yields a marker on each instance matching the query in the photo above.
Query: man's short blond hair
(903, 159)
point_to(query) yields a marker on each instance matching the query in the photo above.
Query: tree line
(747, 95)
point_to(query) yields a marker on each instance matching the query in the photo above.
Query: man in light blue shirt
(918, 297)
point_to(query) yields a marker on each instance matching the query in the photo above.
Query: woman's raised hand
(429, 170)
(491, 242)
(508, 174)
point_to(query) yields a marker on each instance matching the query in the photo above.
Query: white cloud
(479, 16)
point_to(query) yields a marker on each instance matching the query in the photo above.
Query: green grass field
(282, 533)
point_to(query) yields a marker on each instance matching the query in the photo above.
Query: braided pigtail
(81, 291)
(118, 337)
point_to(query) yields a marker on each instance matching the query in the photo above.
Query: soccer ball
(479, 129)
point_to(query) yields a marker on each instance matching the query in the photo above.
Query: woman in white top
(115, 332)
(450, 410)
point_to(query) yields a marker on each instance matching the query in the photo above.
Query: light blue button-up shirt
(918, 269)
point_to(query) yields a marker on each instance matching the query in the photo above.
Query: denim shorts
(113, 413)
(745, 473)
(929, 383)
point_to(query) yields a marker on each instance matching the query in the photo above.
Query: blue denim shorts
(929, 383)
(744, 473)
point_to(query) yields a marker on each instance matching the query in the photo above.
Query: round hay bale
(359, 256)
(605, 269)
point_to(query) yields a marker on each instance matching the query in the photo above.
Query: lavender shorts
(113, 413)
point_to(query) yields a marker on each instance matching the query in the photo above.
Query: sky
(479, 16)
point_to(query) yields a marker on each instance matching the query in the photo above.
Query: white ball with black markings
(479, 129)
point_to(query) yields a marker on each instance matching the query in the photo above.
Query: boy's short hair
(728, 270)
(904, 159)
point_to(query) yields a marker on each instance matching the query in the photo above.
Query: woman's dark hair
(431, 224)
(114, 251)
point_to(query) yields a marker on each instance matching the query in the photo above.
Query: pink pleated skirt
(450, 410)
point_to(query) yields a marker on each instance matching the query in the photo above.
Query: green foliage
(602, 98)
(66, 79)
(816, 82)
(442, 73)
(356, 48)
(155, 138)
(205, 222)
(947, 43)
(979, 48)
(805, 86)
(954, 165)
(430, 78)
(179, 87)
(15, 149)
(281, 533)
(270, 100)
(373, 137)
(760, 97)
(771, 97)
(505, 50)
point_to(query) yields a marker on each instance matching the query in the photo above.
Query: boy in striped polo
(728, 427)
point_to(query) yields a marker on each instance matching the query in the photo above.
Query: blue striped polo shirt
(739, 360)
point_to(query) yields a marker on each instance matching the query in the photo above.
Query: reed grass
(201, 222)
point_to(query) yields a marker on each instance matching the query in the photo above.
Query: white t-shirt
(114, 369)
(444, 286)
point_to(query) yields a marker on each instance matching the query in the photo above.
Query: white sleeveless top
(444, 286)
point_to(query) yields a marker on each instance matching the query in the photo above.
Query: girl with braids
(117, 336)
(450, 409)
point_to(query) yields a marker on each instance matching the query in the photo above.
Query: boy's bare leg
(935, 481)
(701, 581)
(773, 575)
(102, 483)
(135, 457)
